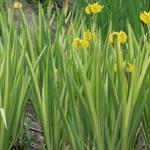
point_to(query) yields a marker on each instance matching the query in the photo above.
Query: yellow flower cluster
(145, 17)
(127, 66)
(93, 8)
(17, 5)
(121, 35)
(84, 43)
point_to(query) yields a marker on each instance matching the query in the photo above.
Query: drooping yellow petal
(111, 36)
(87, 9)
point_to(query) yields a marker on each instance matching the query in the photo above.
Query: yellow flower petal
(84, 43)
(96, 8)
(76, 42)
(130, 67)
(87, 9)
(89, 35)
(111, 36)
(122, 37)
(145, 17)
(93, 8)
(17, 5)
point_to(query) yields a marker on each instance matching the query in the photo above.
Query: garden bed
(71, 79)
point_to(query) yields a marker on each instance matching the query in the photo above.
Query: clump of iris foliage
(89, 85)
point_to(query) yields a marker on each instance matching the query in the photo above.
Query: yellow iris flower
(122, 36)
(17, 5)
(145, 17)
(93, 8)
(89, 35)
(77, 42)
